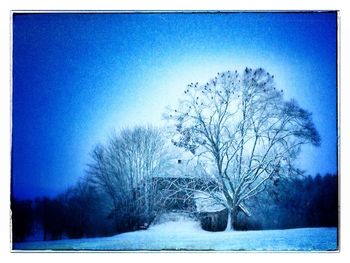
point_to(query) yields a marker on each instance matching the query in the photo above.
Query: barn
(174, 195)
(212, 214)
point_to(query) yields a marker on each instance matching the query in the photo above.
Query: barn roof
(206, 202)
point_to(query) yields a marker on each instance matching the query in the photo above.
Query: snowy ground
(186, 234)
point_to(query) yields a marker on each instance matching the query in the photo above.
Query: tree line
(295, 203)
(83, 212)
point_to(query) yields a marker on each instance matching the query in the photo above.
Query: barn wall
(214, 221)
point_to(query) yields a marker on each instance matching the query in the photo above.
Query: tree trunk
(229, 222)
(147, 201)
(232, 219)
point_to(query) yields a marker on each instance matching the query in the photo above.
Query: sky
(78, 77)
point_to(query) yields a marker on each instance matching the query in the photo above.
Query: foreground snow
(186, 234)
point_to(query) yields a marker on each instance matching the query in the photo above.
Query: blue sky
(76, 77)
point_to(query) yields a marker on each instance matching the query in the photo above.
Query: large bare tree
(244, 131)
(124, 169)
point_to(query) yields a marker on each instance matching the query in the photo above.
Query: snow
(178, 232)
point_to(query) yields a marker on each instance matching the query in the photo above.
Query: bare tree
(124, 169)
(242, 129)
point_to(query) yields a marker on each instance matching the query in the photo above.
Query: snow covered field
(186, 234)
